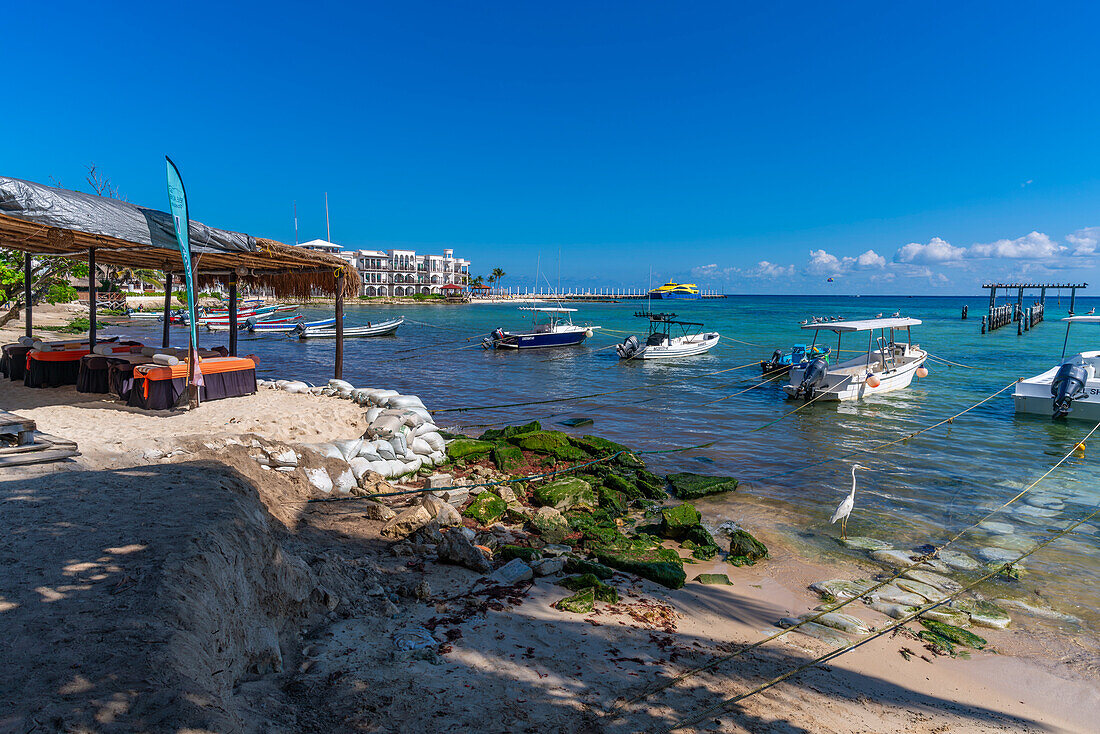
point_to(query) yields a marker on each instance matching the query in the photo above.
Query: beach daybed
(159, 388)
(61, 365)
(113, 373)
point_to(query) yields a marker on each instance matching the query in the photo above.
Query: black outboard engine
(772, 364)
(813, 377)
(1068, 385)
(628, 348)
(490, 342)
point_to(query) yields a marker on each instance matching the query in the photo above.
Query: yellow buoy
(1079, 447)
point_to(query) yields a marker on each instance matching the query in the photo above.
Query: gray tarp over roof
(66, 209)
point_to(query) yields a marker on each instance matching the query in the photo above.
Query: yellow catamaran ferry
(676, 291)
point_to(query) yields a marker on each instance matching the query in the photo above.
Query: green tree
(498, 276)
(49, 281)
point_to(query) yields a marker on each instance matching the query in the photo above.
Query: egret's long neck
(853, 492)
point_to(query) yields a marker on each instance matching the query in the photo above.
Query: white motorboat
(144, 315)
(1070, 389)
(382, 328)
(887, 365)
(662, 343)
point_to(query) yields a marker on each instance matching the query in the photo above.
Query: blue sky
(746, 147)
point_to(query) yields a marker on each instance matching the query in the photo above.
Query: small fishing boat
(661, 343)
(382, 328)
(285, 326)
(887, 365)
(675, 291)
(781, 363)
(551, 327)
(1070, 389)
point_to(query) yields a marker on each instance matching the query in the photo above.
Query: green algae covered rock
(604, 592)
(623, 486)
(551, 525)
(687, 485)
(581, 566)
(541, 442)
(497, 434)
(660, 565)
(583, 602)
(983, 613)
(486, 508)
(614, 502)
(677, 520)
(565, 494)
(745, 550)
(955, 634)
(700, 542)
(509, 552)
(714, 579)
(597, 446)
(862, 543)
(651, 485)
(508, 458)
(467, 448)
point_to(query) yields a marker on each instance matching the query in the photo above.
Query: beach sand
(164, 581)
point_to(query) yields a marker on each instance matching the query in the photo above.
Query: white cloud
(765, 269)
(936, 251)
(823, 263)
(1084, 241)
(1033, 246)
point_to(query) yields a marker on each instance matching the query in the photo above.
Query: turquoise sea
(917, 491)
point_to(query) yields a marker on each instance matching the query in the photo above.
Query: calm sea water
(918, 491)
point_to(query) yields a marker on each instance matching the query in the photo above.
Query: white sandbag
(344, 393)
(372, 415)
(379, 397)
(404, 401)
(386, 426)
(425, 428)
(434, 440)
(368, 452)
(341, 384)
(394, 468)
(315, 390)
(438, 458)
(413, 466)
(329, 451)
(400, 446)
(148, 351)
(359, 467)
(280, 384)
(423, 413)
(420, 447)
(409, 455)
(297, 387)
(349, 448)
(166, 359)
(384, 450)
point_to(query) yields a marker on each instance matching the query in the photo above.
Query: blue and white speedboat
(551, 327)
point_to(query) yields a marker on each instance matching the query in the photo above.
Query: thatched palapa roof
(44, 220)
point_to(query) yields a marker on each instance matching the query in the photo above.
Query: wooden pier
(1025, 317)
(597, 295)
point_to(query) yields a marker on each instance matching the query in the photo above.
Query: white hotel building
(399, 272)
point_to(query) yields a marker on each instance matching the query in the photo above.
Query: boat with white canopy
(552, 326)
(887, 365)
(1070, 389)
(665, 342)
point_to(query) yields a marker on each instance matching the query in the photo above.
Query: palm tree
(498, 275)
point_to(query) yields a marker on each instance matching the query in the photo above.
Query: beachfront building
(400, 272)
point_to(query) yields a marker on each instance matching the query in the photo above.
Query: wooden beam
(339, 326)
(233, 315)
(28, 294)
(91, 298)
(164, 339)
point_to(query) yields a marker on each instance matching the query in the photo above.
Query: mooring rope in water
(513, 480)
(845, 602)
(805, 404)
(880, 446)
(592, 395)
(720, 706)
(948, 361)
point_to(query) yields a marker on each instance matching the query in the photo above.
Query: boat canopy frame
(870, 326)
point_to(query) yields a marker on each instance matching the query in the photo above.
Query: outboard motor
(490, 342)
(1068, 385)
(628, 348)
(813, 377)
(774, 363)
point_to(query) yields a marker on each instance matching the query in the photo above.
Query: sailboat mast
(328, 229)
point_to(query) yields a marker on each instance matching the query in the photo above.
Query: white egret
(846, 506)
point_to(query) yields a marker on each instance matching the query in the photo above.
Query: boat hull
(848, 380)
(1032, 395)
(540, 341)
(329, 332)
(674, 296)
(680, 347)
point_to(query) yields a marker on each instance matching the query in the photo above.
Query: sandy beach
(165, 580)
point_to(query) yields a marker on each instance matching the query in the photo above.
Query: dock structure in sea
(600, 295)
(1025, 317)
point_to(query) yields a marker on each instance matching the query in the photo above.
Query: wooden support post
(992, 297)
(233, 315)
(983, 324)
(91, 298)
(1043, 296)
(28, 294)
(339, 324)
(1072, 299)
(1019, 302)
(167, 308)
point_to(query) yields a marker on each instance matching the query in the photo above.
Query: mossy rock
(614, 502)
(508, 458)
(941, 644)
(486, 508)
(955, 634)
(583, 602)
(651, 486)
(541, 442)
(498, 434)
(688, 485)
(657, 564)
(581, 566)
(467, 448)
(509, 552)
(597, 446)
(551, 525)
(714, 579)
(566, 494)
(745, 550)
(622, 485)
(675, 521)
(697, 543)
(604, 592)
